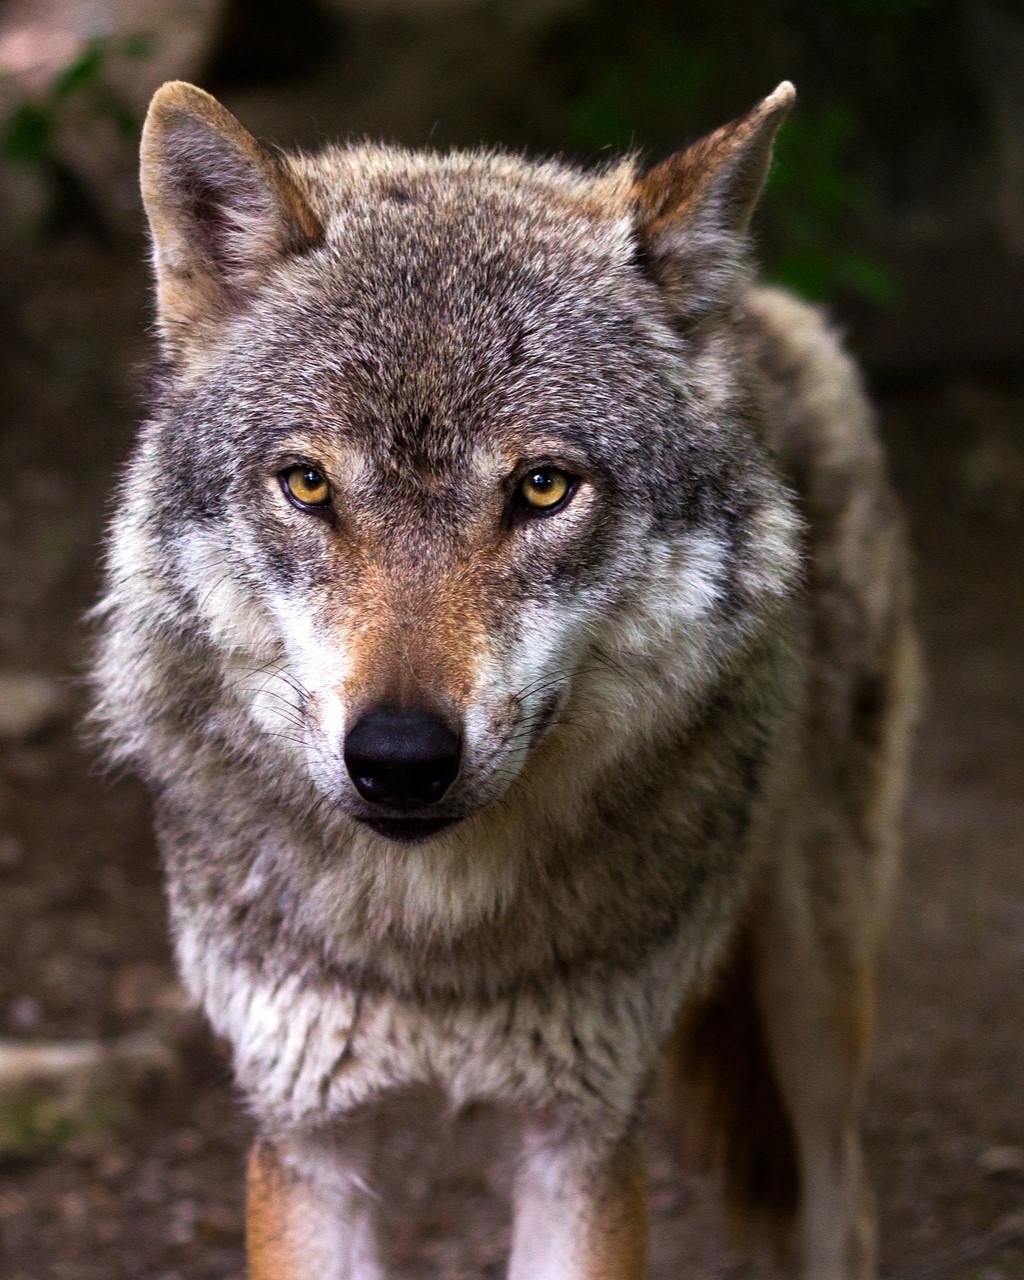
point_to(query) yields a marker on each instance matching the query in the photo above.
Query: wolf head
(453, 454)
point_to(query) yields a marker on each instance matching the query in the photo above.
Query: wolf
(508, 609)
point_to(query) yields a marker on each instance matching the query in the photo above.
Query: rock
(1011, 1227)
(1003, 1162)
(12, 852)
(23, 1013)
(147, 988)
(29, 703)
(992, 471)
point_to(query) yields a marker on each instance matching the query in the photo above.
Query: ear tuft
(222, 210)
(693, 210)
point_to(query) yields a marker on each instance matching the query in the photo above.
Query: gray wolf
(508, 609)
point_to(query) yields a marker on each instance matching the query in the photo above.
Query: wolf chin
(508, 610)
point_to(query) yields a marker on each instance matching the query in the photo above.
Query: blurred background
(896, 201)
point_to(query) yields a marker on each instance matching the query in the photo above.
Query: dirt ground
(157, 1196)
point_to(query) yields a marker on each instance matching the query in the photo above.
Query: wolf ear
(222, 210)
(693, 210)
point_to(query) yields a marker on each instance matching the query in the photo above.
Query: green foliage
(137, 46)
(812, 206)
(38, 1121)
(80, 74)
(32, 1127)
(28, 136)
(811, 222)
(620, 100)
(32, 131)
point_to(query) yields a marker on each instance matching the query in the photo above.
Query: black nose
(403, 759)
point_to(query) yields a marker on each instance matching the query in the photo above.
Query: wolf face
(445, 443)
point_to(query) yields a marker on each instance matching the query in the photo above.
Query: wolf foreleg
(579, 1216)
(309, 1220)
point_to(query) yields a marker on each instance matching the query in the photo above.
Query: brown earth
(82, 926)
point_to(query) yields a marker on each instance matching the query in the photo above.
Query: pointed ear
(222, 210)
(693, 210)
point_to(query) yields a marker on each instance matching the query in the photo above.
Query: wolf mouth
(408, 830)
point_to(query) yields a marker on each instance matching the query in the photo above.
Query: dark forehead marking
(414, 442)
(517, 346)
(397, 192)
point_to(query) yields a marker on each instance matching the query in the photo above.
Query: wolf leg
(579, 1216)
(767, 1068)
(815, 989)
(309, 1218)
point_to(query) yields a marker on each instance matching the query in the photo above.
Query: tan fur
(408, 646)
(617, 1244)
(278, 1225)
(309, 1216)
(672, 191)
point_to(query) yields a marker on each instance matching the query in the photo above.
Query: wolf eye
(306, 487)
(544, 490)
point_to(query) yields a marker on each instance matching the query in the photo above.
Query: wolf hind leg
(768, 1071)
(726, 1097)
(815, 991)
(815, 939)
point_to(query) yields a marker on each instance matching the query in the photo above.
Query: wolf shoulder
(819, 423)
(817, 411)
(821, 426)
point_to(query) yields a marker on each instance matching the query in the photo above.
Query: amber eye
(544, 489)
(306, 487)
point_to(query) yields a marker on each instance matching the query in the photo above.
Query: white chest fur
(308, 1053)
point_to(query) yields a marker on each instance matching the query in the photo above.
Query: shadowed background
(897, 199)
